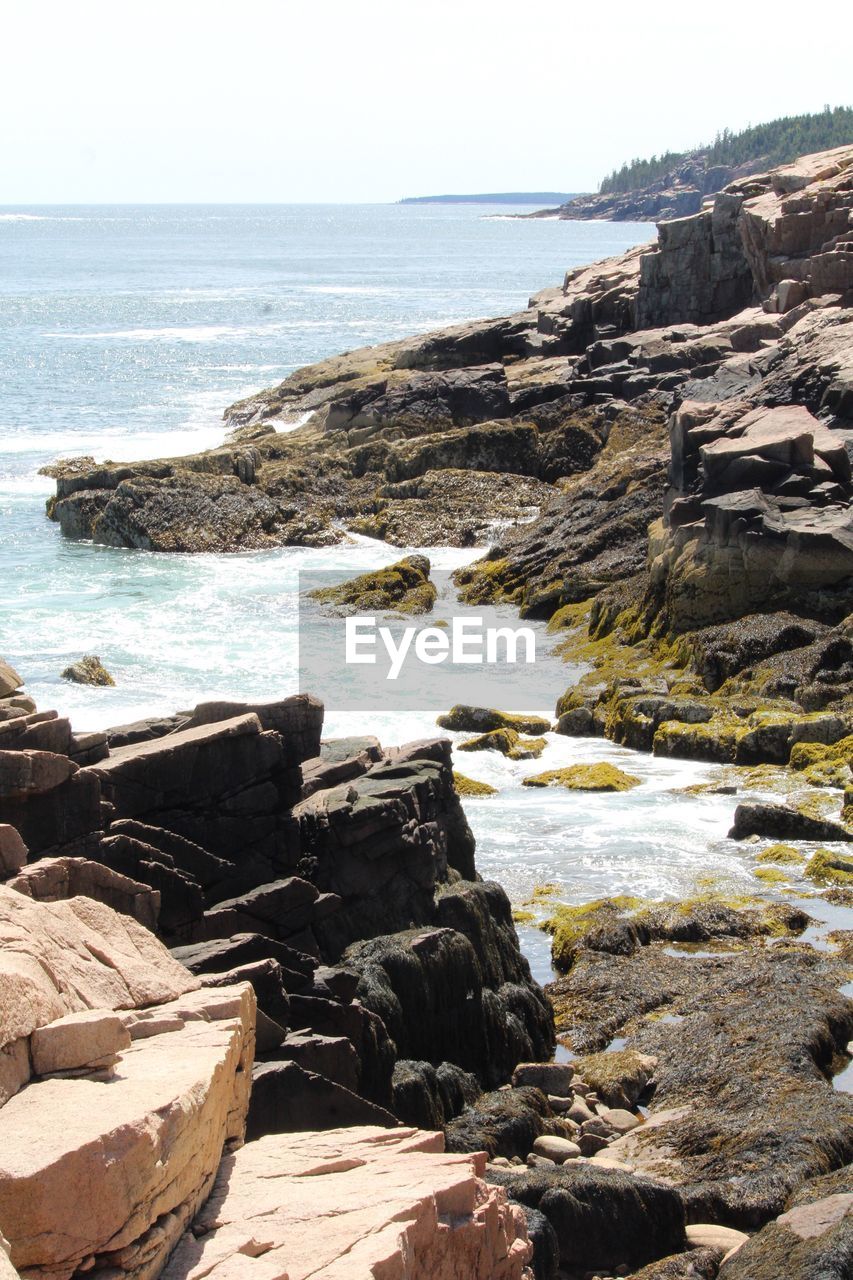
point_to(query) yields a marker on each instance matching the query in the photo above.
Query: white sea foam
(39, 217)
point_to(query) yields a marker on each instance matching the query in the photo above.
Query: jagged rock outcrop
(55, 879)
(260, 854)
(678, 193)
(735, 325)
(124, 1096)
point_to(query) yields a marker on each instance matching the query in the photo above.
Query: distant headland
(495, 197)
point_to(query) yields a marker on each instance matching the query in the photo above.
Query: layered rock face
(125, 1090)
(122, 1082)
(336, 878)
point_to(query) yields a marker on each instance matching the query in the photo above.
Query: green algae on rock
(471, 787)
(826, 867)
(585, 777)
(486, 719)
(784, 854)
(508, 742)
(621, 925)
(770, 875)
(403, 588)
(587, 924)
(618, 1076)
(89, 670)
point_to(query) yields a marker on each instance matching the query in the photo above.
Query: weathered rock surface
(603, 1219)
(110, 1138)
(55, 879)
(89, 670)
(814, 1239)
(63, 957)
(739, 1117)
(403, 588)
(262, 854)
(354, 1203)
(149, 1157)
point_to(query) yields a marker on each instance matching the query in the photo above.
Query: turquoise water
(125, 332)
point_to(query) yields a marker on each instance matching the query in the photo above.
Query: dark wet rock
(384, 841)
(280, 908)
(839, 1182)
(807, 1241)
(285, 1098)
(461, 993)
(36, 731)
(363, 1028)
(429, 1097)
(267, 980)
(723, 651)
(425, 401)
(595, 532)
(221, 954)
(604, 1219)
(331, 768)
(184, 511)
(504, 1123)
(212, 874)
(334, 1057)
(52, 803)
(779, 822)
(219, 784)
(546, 1245)
(742, 1111)
(693, 1264)
(181, 897)
(124, 735)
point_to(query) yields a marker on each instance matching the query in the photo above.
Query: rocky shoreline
(668, 436)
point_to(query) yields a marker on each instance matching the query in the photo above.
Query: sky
(367, 100)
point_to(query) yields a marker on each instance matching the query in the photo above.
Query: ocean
(125, 332)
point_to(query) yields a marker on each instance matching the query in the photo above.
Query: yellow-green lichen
(522, 917)
(487, 719)
(401, 588)
(568, 926)
(585, 777)
(770, 875)
(825, 867)
(471, 787)
(508, 742)
(784, 854)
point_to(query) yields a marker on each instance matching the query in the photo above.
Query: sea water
(125, 332)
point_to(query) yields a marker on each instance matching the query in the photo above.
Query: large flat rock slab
(353, 1203)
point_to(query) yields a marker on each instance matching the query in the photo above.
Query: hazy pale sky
(369, 100)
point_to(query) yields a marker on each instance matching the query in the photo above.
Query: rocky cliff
(125, 1090)
(673, 429)
(676, 194)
